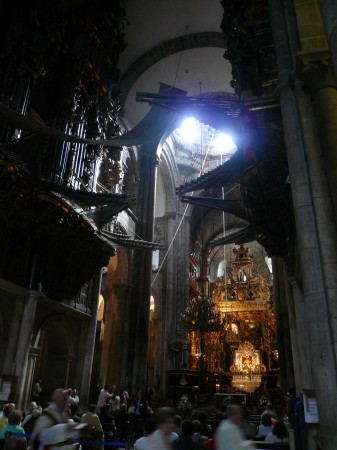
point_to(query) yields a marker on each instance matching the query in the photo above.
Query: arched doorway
(55, 360)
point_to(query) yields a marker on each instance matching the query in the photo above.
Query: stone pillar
(165, 316)
(329, 16)
(283, 329)
(323, 85)
(322, 167)
(119, 337)
(140, 306)
(315, 318)
(117, 315)
(22, 349)
(89, 344)
(9, 358)
(32, 356)
(183, 271)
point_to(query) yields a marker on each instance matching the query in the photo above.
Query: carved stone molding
(316, 71)
(171, 215)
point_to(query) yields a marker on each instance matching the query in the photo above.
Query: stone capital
(150, 156)
(171, 215)
(287, 80)
(317, 75)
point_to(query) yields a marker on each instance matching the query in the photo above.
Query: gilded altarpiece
(245, 348)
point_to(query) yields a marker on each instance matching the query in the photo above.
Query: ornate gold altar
(245, 348)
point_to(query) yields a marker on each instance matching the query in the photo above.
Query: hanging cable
(179, 61)
(178, 228)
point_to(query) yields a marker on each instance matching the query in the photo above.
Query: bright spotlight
(223, 144)
(188, 129)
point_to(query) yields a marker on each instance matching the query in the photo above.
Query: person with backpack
(52, 428)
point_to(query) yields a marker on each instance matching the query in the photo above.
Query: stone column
(166, 314)
(183, 271)
(119, 337)
(314, 320)
(329, 16)
(323, 85)
(9, 357)
(89, 344)
(283, 330)
(22, 349)
(140, 306)
(322, 167)
(32, 356)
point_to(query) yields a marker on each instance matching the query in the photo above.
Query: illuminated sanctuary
(168, 198)
(245, 347)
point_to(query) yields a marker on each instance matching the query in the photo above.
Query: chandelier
(246, 383)
(247, 368)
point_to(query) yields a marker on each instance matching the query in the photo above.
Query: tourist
(249, 428)
(229, 435)
(140, 405)
(123, 399)
(161, 439)
(29, 410)
(73, 398)
(269, 409)
(291, 400)
(206, 429)
(278, 434)
(198, 438)
(125, 392)
(29, 421)
(92, 419)
(73, 413)
(115, 401)
(210, 443)
(266, 425)
(185, 440)
(104, 414)
(103, 397)
(123, 421)
(143, 442)
(52, 427)
(5, 414)
(14, 420)
(177, 424)
(36, 391)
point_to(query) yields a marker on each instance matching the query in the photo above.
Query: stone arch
(55, 362)
(170, 47)
(169, 173)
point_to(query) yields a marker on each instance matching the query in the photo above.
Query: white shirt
(126, 394)
(73, 400)
(103, 396)
(142, 443)
(115, 403)
(54, 430)
(272, 438)
(229, 436)
(264, 430)
(159, 441)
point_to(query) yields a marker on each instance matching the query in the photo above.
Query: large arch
(55, 362)
(170, 47)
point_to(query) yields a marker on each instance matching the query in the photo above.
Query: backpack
(35, 439)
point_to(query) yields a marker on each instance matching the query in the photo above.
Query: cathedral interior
(168, 195)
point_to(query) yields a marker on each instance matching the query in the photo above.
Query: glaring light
(188, 129)
(223, 144)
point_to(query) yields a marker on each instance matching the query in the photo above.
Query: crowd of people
(130, 419)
